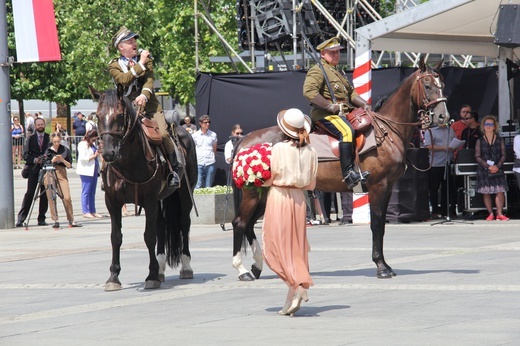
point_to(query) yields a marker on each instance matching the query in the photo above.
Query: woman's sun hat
(294, 124)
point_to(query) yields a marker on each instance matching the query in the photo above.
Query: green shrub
(215, 190)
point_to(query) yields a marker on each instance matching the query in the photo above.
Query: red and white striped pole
(362, 78)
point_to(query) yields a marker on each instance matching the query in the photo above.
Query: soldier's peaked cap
(122, 35)
(330, 44)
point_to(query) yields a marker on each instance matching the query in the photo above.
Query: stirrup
(364, 176)
(174, 180)
(352, 179)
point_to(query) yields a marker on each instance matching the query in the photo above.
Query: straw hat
(294, 124)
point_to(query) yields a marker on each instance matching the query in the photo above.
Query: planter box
(211, 209)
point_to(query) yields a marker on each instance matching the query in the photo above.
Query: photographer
(34, 149)
(60, 158)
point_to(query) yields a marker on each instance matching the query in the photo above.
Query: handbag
(359, 119)
(498, 174)
(25, 171)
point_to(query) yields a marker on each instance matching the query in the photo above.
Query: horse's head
(115, 120)
(427, 95)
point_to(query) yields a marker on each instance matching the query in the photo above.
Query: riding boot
(346, 158)
(173, 177)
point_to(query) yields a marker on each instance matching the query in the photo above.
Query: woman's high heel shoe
(301, 294)
(286, 307)
(288, 302)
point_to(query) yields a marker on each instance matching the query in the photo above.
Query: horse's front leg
(250, 210)
(238, 238)
(116, 238)
(378, 206)
(150, 239)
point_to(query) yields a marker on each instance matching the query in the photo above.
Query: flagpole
(6, 169)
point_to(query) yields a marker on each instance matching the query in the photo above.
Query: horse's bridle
(425, 105)
(128, 123)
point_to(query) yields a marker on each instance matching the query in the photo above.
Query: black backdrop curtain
(253, 100)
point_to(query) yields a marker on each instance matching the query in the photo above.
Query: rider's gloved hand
(333, 108)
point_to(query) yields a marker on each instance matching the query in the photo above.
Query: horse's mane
(110, 98)
(383, 99)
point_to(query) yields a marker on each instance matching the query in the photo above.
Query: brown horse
(418, 97)
(135, 173)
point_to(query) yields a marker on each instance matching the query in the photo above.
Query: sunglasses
(238, 133)
(489, 124)
(206, 122)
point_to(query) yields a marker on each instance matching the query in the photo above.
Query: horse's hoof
(162, 278)
(384, 274)
(112, 286)
(246, 277)
(152, 284)
(256, 272)
(186, 274)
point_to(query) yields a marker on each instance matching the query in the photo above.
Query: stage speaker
(508, 26)
(305, 19)
(271, 23)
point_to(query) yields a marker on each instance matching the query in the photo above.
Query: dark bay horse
(135, 173)
(420, 96)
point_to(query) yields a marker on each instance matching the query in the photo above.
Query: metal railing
(69, 141)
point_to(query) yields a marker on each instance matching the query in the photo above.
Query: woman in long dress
(294, 166)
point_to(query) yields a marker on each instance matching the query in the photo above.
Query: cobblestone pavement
(456, 284)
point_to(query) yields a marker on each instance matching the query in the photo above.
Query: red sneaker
(502, 218)
(491, 217)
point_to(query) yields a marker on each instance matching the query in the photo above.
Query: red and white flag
(362, 76)
(35, 31)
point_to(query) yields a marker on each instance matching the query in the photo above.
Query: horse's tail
(169, 210)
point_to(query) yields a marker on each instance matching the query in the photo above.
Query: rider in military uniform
(330, 114)
(134, 71)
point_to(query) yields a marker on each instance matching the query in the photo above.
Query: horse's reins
(423, 113)
(130, 125)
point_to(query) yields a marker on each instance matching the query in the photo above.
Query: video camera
(46, 162)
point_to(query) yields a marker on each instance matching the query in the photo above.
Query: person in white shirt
(91, 125)
(88, 169)
(236, 133)
(206, 147)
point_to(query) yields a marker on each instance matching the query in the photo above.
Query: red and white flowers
(252, 166)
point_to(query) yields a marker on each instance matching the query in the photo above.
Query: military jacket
(135, 81)
(315, 84)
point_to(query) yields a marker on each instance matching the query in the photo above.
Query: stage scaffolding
(285, 52)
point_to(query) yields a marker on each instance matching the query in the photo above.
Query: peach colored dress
(284, 229)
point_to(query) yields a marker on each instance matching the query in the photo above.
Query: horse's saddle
(151, 130)
(327, 145)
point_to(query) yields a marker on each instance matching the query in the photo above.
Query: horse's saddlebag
(359, 119)
(151, 130)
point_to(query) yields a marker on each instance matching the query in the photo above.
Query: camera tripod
(47, 178)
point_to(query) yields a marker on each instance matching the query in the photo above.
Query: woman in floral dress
(490, 152)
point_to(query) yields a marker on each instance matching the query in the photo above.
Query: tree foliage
(85, 31)
(166, 28)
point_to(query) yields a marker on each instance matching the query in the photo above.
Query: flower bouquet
(252, 166)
